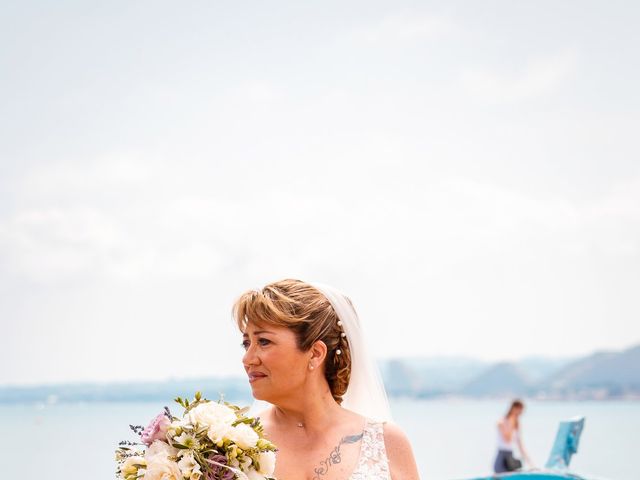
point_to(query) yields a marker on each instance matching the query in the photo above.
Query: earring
(310, 367)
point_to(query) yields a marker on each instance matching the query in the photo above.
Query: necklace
(301, 425)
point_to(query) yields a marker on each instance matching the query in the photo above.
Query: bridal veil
(365, 394)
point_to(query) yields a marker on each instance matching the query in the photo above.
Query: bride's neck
(312, 411)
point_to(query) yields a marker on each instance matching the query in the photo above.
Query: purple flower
(218, 472)
(156, 430)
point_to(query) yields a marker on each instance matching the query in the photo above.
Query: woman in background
(509, 436)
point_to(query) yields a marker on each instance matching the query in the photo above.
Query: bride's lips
(255, 376)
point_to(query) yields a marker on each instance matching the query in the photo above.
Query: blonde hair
(303, 309)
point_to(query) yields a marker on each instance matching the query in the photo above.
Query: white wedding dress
(372, 462)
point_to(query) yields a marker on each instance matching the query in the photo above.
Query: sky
(467, 172)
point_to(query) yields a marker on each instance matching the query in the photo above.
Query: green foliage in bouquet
(211, 441)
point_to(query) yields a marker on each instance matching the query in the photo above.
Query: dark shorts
(506, 462)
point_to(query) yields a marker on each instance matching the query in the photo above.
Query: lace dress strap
(372, 463)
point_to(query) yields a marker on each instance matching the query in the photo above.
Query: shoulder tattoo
(334, 456)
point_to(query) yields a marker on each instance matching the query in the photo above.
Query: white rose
(160, 449)
(267, 461)
(253, 475)
(212, 414)
(161, 468)
(217, 433)
(217, 417)
(243, 436)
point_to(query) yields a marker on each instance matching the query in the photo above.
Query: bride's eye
(245, 344)
(264, 341)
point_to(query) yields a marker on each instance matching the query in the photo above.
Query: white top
(503, 444)
(372, 462)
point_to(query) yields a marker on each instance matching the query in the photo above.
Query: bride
(326, 407)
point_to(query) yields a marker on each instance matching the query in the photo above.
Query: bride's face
(276, 367)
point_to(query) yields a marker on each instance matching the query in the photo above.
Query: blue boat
(557, 466)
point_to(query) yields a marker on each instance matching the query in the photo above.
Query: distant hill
(429, 375)
(611, 372)
(502, 379)
(597, 376)
(601, 375)
(541, 368)
(433, 376)
(401, 379)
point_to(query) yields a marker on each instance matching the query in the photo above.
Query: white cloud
(54, 243)
(614, 221)
(255, 92)
(195, 235)
(623, 201)
(404, 27)
(105, 173)
(539, 76)
(495, 215)
(61, 243)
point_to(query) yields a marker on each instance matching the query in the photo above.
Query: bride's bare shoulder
(395, 437)
(352, 418)
(399, 452)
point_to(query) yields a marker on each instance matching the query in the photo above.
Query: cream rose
(217, 433)
(267, 461)
(243, 436)
(253, 475)
(212, 414)
(161, 468)
(160, 449)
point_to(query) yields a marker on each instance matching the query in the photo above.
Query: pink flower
(157, 430)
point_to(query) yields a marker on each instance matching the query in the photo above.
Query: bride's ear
(318, 353)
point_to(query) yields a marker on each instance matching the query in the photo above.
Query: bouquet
(211, 441)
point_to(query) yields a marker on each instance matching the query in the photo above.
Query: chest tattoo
(334, 456)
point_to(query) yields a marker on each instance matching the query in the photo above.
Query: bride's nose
(250, 356)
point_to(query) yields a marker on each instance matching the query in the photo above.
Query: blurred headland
(598, 376)
(611, 375)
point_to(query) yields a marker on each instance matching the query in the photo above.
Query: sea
(451, 439)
